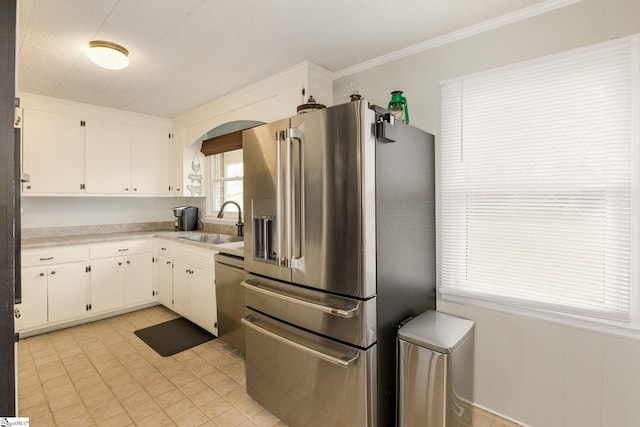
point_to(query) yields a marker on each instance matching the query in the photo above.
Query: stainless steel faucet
(240, 225)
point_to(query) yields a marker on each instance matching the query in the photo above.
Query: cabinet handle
(123, 250)
(344, 361)
(168, 262)
(46, 259)
(164, 249)
(341, 312)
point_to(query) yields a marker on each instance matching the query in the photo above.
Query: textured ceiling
(186, 52)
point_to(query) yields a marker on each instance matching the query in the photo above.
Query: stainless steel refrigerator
(339, 249)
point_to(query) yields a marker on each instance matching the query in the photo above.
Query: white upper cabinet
(71, 148)
(150, 161)
(123, 159)
(108, 157)
(53, 152)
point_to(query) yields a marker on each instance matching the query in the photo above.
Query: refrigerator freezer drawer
(307, 380)
(344, 319)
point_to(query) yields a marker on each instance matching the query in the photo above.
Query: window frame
(214, 179)
(617, 327)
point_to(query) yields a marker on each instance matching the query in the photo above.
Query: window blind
(536, 193)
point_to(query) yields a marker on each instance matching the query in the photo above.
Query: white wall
(533, 371)
(273, 98)
(42, 212)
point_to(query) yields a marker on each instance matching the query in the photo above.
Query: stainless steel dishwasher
(230, 298)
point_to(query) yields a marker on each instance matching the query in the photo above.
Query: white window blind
(536, 192)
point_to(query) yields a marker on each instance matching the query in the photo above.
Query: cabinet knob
(126, 189)
(128, 262)
(168, 262)
(135, 189)
(41, 274)
(53, 272)
(28, 187)
(120, 263)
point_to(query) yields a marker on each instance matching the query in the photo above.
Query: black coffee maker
(186, 218)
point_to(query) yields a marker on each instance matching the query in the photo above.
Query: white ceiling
(186, 52)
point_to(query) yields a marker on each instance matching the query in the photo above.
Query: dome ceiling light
(108, 55)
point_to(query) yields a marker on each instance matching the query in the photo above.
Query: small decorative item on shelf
(311, 105)
(355, 96)
(398, 106)
(195, 176)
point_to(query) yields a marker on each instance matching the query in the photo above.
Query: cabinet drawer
(122, 248)
(57, 255)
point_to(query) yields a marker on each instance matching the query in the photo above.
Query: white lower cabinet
(67, 285)
(107, 285)
(194, 291)
(164, 280)
(204, 310)
(121, 275)
(33, 309)
(67, 291)
(54, 286)
(138, 280)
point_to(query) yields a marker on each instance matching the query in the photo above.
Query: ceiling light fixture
(108, 55)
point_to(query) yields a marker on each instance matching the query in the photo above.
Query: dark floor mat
(174, 336)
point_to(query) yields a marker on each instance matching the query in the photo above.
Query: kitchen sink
(213, 239)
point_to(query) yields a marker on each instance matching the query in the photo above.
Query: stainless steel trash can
(435, 372)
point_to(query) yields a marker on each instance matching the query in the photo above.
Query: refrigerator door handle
(352, 312)
(281, 257)
(296, 196)
(344, 361)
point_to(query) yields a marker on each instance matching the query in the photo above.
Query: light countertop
(226, 246)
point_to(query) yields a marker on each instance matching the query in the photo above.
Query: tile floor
(101, 374)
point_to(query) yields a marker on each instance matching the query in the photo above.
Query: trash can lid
(437, 331)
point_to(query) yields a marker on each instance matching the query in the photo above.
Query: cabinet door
(165, 281)
(33, 309)
(181, 287)
(67, 291)
(204, 311)
(138, 286)
(177, 161)
(53, 152)
(150, 168)
(108, 157)
(107, 284)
